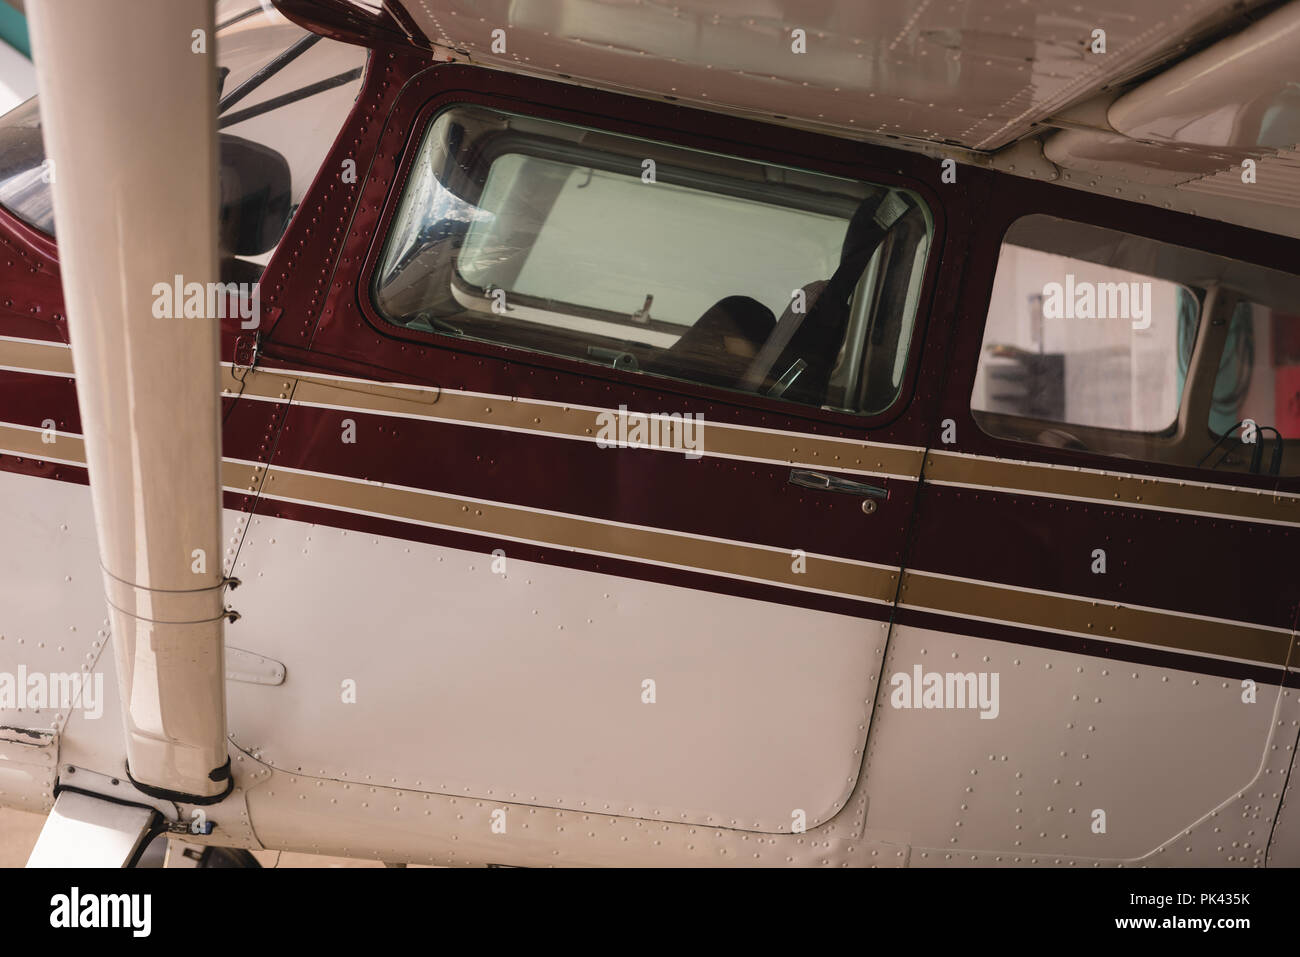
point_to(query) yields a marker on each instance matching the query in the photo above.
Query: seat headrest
(738, 316)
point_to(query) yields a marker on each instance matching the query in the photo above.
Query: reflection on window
(1256, 399)
(1069, 341)
(647, 258)
(1098, 341)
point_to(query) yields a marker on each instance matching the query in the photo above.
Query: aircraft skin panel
(54, 626)
(1130, 748)
(53, 623)
(774, 620)
(976, 73)
(1158, 750)
(945, 580)
(294, 811)
(942, 786)
(1284, 845)
(559, 686)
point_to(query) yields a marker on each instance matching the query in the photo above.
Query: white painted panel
(53, 620)
(528, 686)
(1160, 751)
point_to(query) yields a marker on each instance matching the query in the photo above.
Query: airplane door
(548, 521)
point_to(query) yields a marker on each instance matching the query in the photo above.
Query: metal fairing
(469, 599)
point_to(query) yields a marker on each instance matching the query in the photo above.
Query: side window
(1101, 341)
(1257, 390)
(283, 95)
(644, 257)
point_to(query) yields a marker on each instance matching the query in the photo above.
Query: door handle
(820, 480)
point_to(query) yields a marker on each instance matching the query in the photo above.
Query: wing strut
(128, 110)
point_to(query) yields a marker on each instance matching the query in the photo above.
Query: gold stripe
(813, 452)
(1102, 620)
(240, 476)
(28, 443)
(1120, 489)
(562, 531)
(36, 356)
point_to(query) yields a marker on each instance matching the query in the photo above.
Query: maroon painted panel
(1191, 563)
(1006, 543)
(30, 399)
(31, 297)
(722, 498)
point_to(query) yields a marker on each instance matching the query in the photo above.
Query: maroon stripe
(1220, 568)
(24, 465)
(29, 399)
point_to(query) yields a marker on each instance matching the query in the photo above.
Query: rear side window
(1101, 341)
(1083, 343)
(644, 257)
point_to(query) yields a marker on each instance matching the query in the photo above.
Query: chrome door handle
(820, 480)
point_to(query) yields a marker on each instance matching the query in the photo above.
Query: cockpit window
(648, 258)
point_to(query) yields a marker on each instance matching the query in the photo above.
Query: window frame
(752, 148)
(556, 153)
(1215, 310)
